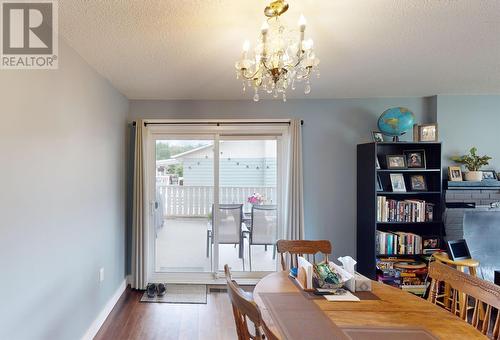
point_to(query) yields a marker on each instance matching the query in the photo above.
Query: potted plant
(473, 163)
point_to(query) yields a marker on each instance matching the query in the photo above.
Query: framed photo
(396, 162)
(418, 183)
(489, 174)
(378, 137)
(379, 184)
(415, 159)
(398, 183)
(455, 174)
(377, 163)
(430, 242)
(425, 133)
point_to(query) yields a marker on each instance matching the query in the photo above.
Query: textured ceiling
(186, 49)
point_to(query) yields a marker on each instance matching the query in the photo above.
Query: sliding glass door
(215, 199)
(248, 203)
(183, 200)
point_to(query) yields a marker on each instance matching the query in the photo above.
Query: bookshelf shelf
(410, 193)
(368, 197)
(409, 223)
(407, 170)
(401, 255)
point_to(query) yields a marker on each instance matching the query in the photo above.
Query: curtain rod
(213, 123)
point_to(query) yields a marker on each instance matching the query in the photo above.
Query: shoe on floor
(151, 290)
(161, 289)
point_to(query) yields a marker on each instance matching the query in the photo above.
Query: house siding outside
(242, 164)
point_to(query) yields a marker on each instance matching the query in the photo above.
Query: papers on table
(305, 273)
(348, 296)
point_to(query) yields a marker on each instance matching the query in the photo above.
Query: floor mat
(180, 293)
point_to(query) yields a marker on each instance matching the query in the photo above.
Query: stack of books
(404, 274)
(389, 210)
(386, 272)
(398, 243)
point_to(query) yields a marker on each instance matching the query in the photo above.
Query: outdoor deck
(181, 247)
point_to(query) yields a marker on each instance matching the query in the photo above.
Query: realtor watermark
(29, 34)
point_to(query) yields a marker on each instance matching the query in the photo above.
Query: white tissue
(348, 264)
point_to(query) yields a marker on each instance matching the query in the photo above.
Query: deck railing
(196, 201)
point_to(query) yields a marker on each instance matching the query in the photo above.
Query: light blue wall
(332, 129)
(62, 198)
(466, 121)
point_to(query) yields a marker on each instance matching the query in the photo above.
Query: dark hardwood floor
(131, 319)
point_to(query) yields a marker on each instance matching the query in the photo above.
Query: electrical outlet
(101, 274)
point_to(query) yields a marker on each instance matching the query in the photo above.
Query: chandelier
(281, 58)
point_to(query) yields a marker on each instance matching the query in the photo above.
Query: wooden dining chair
(461, 265)
(305, 248)
(477, 291)
(245, 308)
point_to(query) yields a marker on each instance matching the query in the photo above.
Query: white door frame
(212, 132)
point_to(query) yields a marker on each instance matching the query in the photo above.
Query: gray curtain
(295, 190)
(139, 231)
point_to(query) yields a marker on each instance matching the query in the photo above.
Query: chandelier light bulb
(264, 28)
(246, 46)
(302, 22)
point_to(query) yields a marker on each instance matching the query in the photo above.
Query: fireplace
(474, 215)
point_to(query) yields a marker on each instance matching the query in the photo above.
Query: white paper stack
(305, 268)
(344, 297)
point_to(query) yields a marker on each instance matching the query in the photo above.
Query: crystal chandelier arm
(249, 76)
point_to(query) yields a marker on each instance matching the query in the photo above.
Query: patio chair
(264, 228)
(230, 228)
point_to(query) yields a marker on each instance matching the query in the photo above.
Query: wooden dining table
(388, 307)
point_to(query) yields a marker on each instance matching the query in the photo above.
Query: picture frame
(379, 184)
(425, 132)
(490, 175)
(430, 242)
(377, 163)
(396, 162)
(418, 183)
(455, 174)
(378, 137)
(398, 183)
(415, 159)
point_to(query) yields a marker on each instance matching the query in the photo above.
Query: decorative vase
(473, 176)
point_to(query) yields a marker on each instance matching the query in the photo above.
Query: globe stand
(395, 139)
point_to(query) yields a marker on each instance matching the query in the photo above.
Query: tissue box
(362, 283)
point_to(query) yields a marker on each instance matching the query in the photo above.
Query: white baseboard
(96, 325)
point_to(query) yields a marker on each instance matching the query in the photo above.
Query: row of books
(390, 210)
(398, 243)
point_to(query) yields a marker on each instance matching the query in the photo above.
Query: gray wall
(332, 128)
(62, 198)
(466, 121)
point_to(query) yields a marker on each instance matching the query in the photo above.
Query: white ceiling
(186, 49)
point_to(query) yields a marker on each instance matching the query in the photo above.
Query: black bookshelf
(367, 194)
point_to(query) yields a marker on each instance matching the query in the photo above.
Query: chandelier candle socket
(280, 59)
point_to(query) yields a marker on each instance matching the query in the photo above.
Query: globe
(396, 121)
